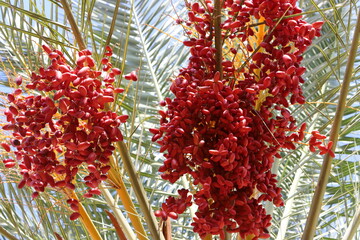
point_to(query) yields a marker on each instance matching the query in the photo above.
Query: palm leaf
(144, 38)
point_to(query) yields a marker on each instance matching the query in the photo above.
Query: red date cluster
(225, 132)
(57, 133)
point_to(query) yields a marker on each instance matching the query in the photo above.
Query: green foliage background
(145, 37)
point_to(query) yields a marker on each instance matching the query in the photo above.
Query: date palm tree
(145, 38)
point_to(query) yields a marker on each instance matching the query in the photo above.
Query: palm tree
(146, 39)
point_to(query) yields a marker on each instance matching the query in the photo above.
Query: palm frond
(145, 39)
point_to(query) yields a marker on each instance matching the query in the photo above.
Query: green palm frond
(146, 39)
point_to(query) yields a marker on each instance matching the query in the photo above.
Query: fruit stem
(84, 217)
(208, 237)
(218, 36)
(139, 192)
(120, 218)
(89, 225)
(316, 202)
(73, 25)
(166, 229)
(116, 179)
(117, 226)
(227, 235)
